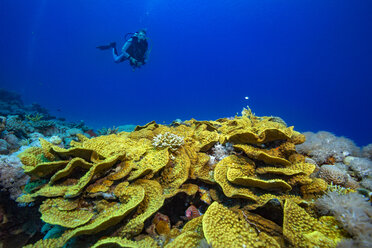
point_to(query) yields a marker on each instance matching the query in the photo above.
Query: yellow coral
(206, 138)
(31, 157)
(117, 144)
(75, 190)
(153, 201)
(152, 162)
(200, 169)
(302, 230)
(109, 215)
(50, 213)
(74, 163)
(341, 190)
(187, 239)
(274, 184)
(194, 225)
(47, 149)
(122, 242)
(220, 175)
(101, 185)
(175, 173)
(261, 223)
(244, 175)
(118, 167)
(255, 131)
(189, 189)
(317, 186)
(223, 228)
(297, 138)
(113, 214)
(46, 191)
(262, 155)
(45, 169)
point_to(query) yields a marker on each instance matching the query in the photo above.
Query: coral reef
(12, 178)
(36, 117)
(219, 152)
(2, 123)
(18, 122)
(325, 147)
(353, 212)
(367, 151)
(155, 187)
(107, 131)
(170, 140)
(17, 225)
(10, 103)
(333, 174)
(4, 147)
(361, 166)
(234, 182)
(367, 183)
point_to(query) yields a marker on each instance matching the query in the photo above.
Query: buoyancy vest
(138, 49)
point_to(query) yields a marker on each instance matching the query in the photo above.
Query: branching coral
(219, 152)
(105, 131)
(170, 140)
(34, 118)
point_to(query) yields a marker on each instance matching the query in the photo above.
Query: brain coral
(331, 173)
(112, 185)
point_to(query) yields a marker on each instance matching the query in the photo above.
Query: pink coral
(192, 212)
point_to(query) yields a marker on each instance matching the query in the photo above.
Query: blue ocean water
(307, 61)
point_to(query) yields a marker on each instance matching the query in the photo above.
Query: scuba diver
(135, 50)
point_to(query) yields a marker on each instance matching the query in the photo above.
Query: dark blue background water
(306, 61)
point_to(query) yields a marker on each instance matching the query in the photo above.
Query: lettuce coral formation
(112, 185)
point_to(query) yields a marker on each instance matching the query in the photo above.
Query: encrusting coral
(112, 185)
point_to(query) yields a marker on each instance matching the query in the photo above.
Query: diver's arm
(125, 47)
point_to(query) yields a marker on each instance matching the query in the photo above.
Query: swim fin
(105, 47)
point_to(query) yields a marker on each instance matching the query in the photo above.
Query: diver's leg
(105, 47)
(118, 58)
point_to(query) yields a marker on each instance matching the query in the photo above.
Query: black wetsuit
(137, 50)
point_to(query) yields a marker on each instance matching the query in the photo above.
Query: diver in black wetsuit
(135, 50)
